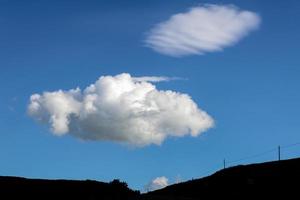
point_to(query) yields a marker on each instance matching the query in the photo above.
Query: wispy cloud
(156, 78)
(205, 28)
(151, 78)
(120, 108)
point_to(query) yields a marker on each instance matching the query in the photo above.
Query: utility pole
(224, 163)
(279, 153)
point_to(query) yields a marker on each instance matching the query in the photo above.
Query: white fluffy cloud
(120, 108)
(205, 28)
(157, 183)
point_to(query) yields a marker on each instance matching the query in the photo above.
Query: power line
(210, 171)
(277, 149)
(290, 145)
(252, 156)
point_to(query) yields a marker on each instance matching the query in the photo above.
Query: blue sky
(251, 89)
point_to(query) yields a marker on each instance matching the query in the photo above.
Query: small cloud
(120, 108)
(205, 28)
(151, 79)
(157, 183)
(155, 79)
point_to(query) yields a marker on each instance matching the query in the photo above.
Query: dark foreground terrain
(280, 179)
(28, 189)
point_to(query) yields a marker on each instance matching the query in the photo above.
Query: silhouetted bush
(119, 184)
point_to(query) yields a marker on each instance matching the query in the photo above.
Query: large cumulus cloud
(120, 108)
(204, 28)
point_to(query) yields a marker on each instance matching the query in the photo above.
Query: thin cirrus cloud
(152, 78)
(205, 28)
(157, 183)
(120, 108)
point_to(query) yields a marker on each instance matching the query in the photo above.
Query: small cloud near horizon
(157, 183)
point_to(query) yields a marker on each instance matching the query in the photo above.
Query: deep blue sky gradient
(251, 89)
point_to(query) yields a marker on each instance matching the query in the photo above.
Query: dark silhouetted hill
(278, 179)
(23, 188)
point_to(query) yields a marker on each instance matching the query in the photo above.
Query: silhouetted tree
(119, 184)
